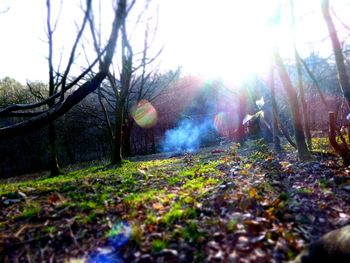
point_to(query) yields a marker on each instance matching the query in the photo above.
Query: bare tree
(338, 52)
(292, 96)
(341, 148)
(66, 97)
(126, 88)
(275, 138)
(300, 82)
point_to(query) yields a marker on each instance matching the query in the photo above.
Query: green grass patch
(191, 233)
(29, 211)
(158, 245)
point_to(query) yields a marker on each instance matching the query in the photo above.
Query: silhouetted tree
(292, 96)
(344, 81)
(63, 100)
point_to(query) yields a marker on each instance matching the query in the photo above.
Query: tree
(300, 82)
(120, 89)
(343, 76)
(125, 89)
(292, 96)
(66, 97)
(125, 80)
(344, 81)
(275, 138)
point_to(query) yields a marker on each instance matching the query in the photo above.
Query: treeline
(119, 104)
(83, 134)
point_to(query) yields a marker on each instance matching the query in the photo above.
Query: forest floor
(223, 204)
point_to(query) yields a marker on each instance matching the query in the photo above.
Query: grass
(147, 195)
(232, 225)
(152, 205)
(29, 211)
(158, 245)
(191, 233)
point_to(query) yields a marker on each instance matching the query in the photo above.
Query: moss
(324, 183)
(174, 214)
(231, 225)
(158, 245)
(29, 211)
(136, 234)
(86, 205)
(191, 233)
(151, 219)
(89, 218)
(50, 229)
(304, 191)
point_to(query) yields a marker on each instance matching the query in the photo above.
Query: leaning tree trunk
(303, 152)
(343, 78)
(338, 53)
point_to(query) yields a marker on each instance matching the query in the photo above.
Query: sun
(229, 39)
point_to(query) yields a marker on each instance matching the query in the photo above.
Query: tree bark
(79, 94)
(303, 152)
(53, 162)
(300, 83)
(303, 102)
(342, 149)
(127, 137)
(125, 80)
(275, 138)
(118, 134)
(338, 53)
(240, 134)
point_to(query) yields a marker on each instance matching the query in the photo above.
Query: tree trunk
(76, 96)
(303, 102)
(300, 83)
(275, 138)
(241, 113)
(342, 148)
(127, 137)
(125, 80)
(338, 53)
(344, 82)
(69, 150)
(118, 134)
(53, 163)
(303, 152)
(153, 141)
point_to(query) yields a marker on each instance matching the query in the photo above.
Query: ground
(227, 203)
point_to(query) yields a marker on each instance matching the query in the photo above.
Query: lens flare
(104, 255)
(144, 114)
(119, 235)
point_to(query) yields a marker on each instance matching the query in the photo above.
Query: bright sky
(228, 38)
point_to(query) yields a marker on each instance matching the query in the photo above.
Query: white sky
(222, 37)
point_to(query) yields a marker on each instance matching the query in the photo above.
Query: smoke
(187, 136)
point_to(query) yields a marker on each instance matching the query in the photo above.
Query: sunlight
(235, 42)
(231, 40)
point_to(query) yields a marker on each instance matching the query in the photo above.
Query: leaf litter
(218, 205)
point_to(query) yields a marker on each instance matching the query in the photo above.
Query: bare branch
(72, 54)
(77, 95)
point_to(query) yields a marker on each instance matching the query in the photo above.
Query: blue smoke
(186, 137)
